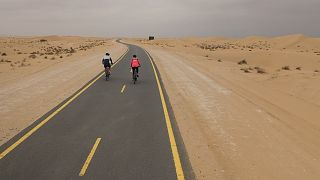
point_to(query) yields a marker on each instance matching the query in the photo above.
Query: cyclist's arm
(111, 60)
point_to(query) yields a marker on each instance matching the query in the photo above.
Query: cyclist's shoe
(137, 75)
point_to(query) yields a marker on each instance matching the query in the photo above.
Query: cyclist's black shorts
(107, 65)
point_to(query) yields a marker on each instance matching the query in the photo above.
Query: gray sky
(165, 18)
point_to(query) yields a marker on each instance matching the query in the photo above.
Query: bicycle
(135, 77)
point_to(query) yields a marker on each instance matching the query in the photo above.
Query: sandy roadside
(29, 91)
(238, 125)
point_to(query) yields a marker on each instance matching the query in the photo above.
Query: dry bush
(4, 54)
(53, 58)
(61, 57)
(285, 68)
(19, 52)
(43, 40)
(72, 50)
(46, 57)
(260, 70)
(219, 60)
(242, 62)
(298, 68)
(316, 71)
(32, 56)
(246, 70)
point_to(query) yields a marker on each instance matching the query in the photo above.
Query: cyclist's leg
(107, 70)
(132, 72)
(137, 71)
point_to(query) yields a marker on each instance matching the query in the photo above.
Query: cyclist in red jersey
(135, 64)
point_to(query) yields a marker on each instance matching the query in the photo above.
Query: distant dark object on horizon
(151, 38)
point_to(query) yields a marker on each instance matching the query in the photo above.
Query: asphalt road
(129, 121)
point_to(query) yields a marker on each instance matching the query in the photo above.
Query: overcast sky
(165, 18)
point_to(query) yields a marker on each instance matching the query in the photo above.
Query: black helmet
(134, 56)
(107, 54)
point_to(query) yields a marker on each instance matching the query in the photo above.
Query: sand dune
(246, 108)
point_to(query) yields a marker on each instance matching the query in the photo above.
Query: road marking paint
(89, 158)
(174, 148)
(38, 126)
(123, 88)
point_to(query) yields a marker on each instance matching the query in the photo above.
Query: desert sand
(38, 73)
(246, 108)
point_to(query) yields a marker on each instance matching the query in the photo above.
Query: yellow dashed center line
(123, 88)
(89, 158)
(33, 130)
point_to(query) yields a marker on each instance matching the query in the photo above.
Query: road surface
(108, 130)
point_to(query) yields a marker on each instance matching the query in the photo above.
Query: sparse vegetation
(285, 68)
(32, 56)
(298, 68)
(43, 40)
(4, 54)
(242, 62)
(246, 70)
(316, 71)
(260, 70)
(219, 60)
(53, 58)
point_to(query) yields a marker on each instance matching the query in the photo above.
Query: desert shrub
(219, 60)
(246, 70)
(316, 71)
(43, 40)
(72, 50)
(285, 68)
(4, 54)
(53, 58)
(242, 62)
(260, 70)
(46, 57)
(19, 52)
(61, 57)
(298, 68)
(32, 56)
